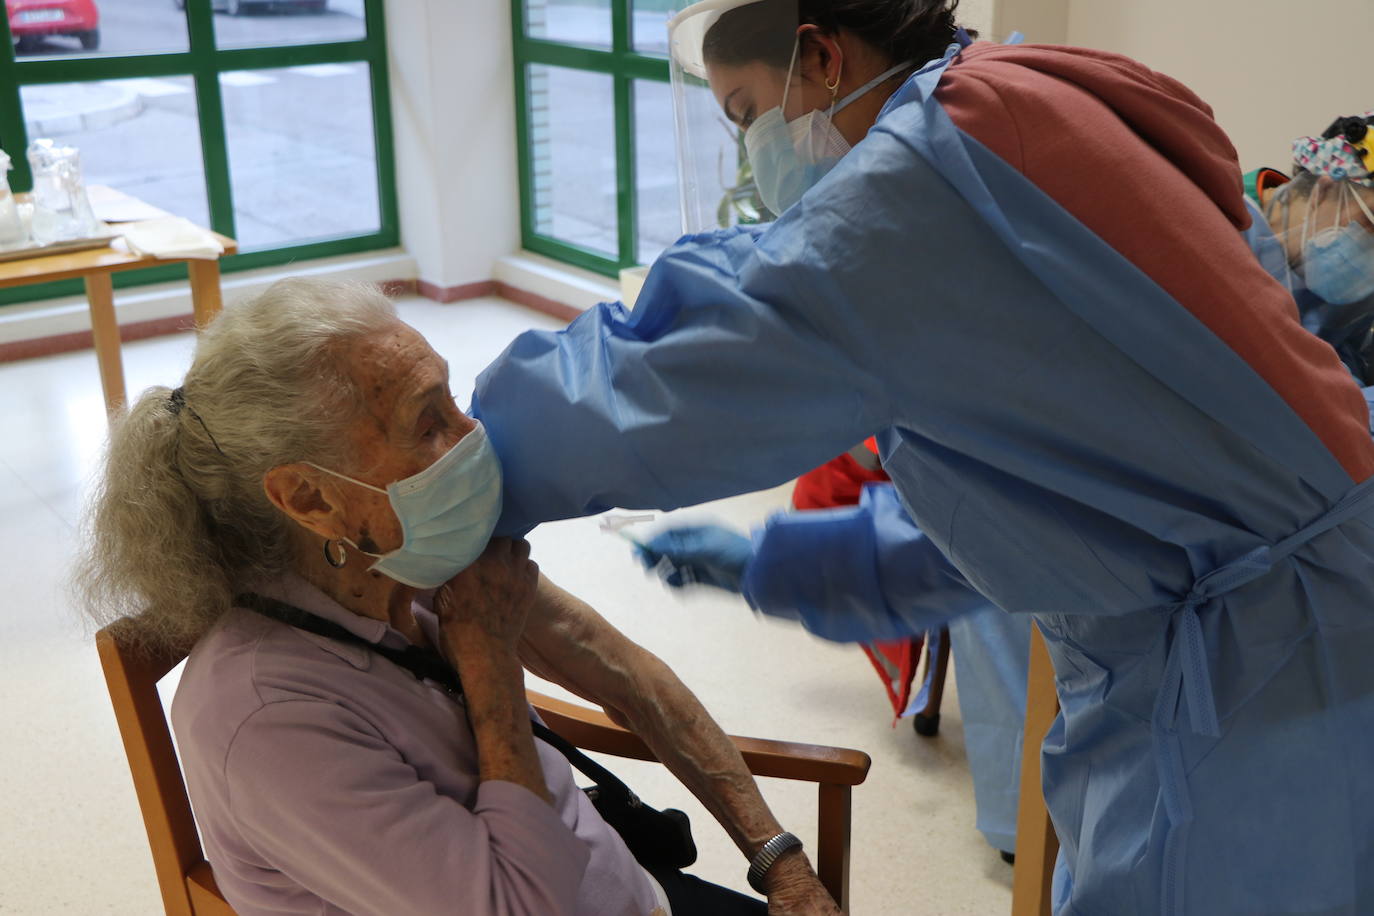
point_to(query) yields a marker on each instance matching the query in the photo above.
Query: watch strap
(763, 860)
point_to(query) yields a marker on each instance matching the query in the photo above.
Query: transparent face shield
(1327, 229)
(728, 58)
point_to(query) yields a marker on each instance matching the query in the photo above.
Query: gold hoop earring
(834, 89)
(330, 559)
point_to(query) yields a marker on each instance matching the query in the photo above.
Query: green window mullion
(31, 72)
(573, 254)
(517, 27)
(645, 68)
(13, 134)
(339, 52)
(541, 51)
(327, 248)
(525, 161)
(620, 26)
(214, 144)
(627, 219)
(84, 70)
(382, 140)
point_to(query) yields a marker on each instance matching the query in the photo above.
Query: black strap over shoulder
(427, 664)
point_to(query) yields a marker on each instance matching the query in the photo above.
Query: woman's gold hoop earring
(329, 558)
(834, 89)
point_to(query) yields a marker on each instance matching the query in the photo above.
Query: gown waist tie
(1187, 681)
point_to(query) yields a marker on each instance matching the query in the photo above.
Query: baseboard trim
(499, 288)
(447, 294)
(551, 307)
(84, 340)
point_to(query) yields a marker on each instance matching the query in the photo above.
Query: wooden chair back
(1036, 842)
(184, 876)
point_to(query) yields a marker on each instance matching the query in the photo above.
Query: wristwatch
(765, 857)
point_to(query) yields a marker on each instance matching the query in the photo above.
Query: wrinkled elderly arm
(569, 643)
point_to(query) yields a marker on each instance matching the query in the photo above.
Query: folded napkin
(170, 237)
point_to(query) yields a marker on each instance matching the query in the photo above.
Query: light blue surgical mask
(1338, 263)
(447, 513)
(789, 157)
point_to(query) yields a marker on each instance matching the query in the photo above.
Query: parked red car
(33, 20)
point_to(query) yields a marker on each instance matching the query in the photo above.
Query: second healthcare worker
(1026, 278)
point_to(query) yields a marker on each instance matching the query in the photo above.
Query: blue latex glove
(698, 554)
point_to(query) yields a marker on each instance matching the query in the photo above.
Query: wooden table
(95, 266)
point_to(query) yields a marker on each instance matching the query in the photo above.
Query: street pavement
(141, 26)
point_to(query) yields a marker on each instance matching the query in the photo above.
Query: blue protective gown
(869, 573)
(1200, 563)
(991, 649)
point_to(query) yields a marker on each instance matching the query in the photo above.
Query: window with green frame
(598, 174)
(269, 122)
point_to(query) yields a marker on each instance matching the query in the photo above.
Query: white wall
(1272, 69)
(977, 14)
(453, 113)
(1041, 21)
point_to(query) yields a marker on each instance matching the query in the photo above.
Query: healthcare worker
(1027, 280)
(1323, 244)
(991, 647)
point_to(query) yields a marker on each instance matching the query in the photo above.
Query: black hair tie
(176, 401)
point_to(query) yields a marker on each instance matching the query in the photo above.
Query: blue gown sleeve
(857, 574)
(704, 391)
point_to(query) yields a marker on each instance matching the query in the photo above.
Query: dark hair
(1353, 130)
(916, 30)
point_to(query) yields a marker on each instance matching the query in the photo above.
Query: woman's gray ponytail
(179, 518)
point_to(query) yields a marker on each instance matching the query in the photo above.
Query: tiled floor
(71, 840)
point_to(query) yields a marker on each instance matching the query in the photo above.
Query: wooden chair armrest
(591, 730)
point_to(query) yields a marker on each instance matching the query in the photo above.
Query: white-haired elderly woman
(313, 469)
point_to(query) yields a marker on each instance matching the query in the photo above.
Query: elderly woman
(313, 468)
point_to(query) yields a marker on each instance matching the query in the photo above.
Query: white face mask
(789, 157)
(447, 513)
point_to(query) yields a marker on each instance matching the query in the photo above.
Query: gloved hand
(704, 554)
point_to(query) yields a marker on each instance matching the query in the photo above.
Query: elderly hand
(698, 554)
(491, 599)
(794, 890)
